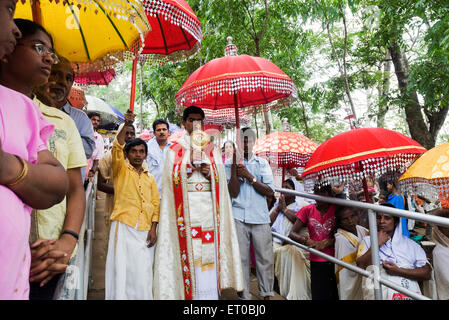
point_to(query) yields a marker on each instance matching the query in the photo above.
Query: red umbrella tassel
(133, 84)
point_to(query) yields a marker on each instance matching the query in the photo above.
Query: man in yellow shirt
(62, 222)
(129, 262)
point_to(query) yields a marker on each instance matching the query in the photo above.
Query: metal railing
(372, 208)
(84, 261)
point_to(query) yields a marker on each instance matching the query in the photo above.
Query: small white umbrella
(109, 114)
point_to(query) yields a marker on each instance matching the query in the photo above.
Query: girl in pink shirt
(319, 218)
(29, 175)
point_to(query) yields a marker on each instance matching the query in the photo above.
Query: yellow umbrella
(92, 34)
(429, 174)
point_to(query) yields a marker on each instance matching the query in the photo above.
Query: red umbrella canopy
(253, 81)
(358, 153)
(95, 77)
(285, 149)
(175, 31)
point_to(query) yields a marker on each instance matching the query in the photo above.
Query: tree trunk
(383, 90)
(267, 122)
(304, 118)
(415, 119)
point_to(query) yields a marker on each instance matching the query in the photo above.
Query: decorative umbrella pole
(133, 85)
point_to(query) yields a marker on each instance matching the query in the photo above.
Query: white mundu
(194, 257)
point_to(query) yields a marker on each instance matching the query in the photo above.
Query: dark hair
(194, 110)
(29, 28)
(229, 141)
(135, 142)
(64, 60)
(387, 204)
(159, 121)
(325, 188)
(132, 126)
(290, 182)
(93, 114)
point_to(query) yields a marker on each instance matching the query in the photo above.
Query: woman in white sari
(440, 235)
(403, 261)
(347, 239)
(291, 264)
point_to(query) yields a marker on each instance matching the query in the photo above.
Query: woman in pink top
(29, 175)
(319, 218)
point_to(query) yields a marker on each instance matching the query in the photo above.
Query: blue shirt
(250, 206)
(398, 201)
(155, 160)
(84, 126)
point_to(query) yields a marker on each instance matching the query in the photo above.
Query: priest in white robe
(197, 253)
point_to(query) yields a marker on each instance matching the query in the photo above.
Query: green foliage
(296, 35)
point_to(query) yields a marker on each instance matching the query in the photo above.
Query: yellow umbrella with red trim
(429, 174)
(92, 34)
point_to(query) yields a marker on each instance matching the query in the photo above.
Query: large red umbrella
(175, 35)
(175, 31)
(237, 81)
(358, 153)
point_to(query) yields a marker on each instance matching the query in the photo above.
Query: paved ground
(99, 251)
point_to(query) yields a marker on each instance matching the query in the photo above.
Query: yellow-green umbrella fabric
(429, 173)
(92, 34)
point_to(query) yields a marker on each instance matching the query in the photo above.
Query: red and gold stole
(178, 196)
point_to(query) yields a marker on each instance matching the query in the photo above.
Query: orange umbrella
(286, 149)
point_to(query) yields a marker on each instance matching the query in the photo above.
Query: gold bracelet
(22, 175)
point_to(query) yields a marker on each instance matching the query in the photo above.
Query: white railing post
(375, 254)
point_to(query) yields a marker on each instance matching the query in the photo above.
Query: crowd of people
(185, 219)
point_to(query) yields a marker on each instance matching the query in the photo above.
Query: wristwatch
(253, 181)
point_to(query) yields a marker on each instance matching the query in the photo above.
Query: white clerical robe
(346, 246)
(200, 270)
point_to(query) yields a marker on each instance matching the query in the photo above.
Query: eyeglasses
(42, 50)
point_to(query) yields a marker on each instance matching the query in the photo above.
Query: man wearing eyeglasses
(55, 93)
